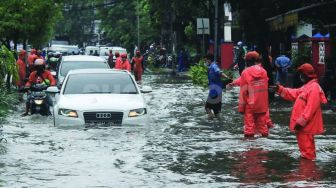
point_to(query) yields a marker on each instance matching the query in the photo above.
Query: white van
(92, 50)
(105, 51)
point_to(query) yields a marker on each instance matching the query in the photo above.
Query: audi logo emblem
(103, 115)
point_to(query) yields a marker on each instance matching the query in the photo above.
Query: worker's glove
(274, 88)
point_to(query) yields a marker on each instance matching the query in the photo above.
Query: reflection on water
(180, 148)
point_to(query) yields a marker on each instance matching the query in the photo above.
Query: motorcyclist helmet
(39, 65)
(50, 54)
(57, 54)
(123, 55)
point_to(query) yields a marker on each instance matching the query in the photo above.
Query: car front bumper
(63, 121)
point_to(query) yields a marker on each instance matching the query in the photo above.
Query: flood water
(180, 148)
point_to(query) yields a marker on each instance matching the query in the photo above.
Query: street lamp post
(216, 30)
(138, 20)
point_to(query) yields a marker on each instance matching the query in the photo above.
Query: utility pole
(216, 30)
(138, 20)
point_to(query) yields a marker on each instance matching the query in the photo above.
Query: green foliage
(28, 20)
(199, 74)
(76, 22)
(301, 57)
(189, 30)
(7, 100)
(7, 64)
(151, 61)
(120, 23)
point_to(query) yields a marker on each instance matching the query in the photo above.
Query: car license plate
(103, 124)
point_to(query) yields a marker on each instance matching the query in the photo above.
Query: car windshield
(73, 65)
(94, 83)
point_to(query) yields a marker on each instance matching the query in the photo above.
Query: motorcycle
(39, 103)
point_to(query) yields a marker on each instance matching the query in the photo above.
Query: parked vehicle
(64, 49)
(91, 50)
(104, 97)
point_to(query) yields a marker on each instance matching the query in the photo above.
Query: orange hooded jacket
(307, 107)
(253, 90)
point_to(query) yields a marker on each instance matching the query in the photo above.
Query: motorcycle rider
(39, 76)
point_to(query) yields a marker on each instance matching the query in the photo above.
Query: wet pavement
(180, 148)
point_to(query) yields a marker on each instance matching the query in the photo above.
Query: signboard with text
(203, 26)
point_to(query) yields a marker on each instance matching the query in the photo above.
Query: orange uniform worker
(123, 64)
(268, 119)
(39, 54)
(137, 62)
(253, 98)
(31, 58)
(306, 119)
(22, 68)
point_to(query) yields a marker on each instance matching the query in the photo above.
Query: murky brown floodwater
(179, 149)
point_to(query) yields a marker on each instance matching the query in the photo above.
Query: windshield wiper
(131, 92)
(98, 92)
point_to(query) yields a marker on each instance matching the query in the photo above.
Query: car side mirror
(146, 89)
(52, 90)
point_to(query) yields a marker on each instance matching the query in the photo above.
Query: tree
(77, 22)
(119, 23)
(30, 20)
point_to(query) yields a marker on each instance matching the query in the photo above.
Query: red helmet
(308, 70)
(252, 56)
(123, 55)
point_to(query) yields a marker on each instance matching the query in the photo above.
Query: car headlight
(68, 113)
(137, 112)
(38, 101)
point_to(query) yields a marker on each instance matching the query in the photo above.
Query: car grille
(103, 118)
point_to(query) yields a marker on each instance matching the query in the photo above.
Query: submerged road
(180, 148)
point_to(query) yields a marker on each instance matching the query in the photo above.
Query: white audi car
(104, 97)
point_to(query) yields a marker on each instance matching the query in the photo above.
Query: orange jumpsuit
(253, 100)
(31, 58)
(22, 69)
(123, 65)
(306, 114)
(138, 70)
